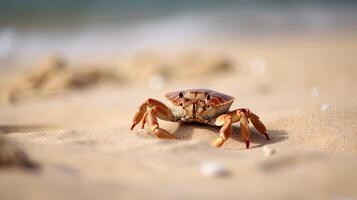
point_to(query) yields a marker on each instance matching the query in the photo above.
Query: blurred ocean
(85, 28)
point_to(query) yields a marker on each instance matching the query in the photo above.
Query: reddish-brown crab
(198, 105)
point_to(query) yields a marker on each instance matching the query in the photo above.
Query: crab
(198, 105)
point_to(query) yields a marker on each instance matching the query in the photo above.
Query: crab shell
(198, 105)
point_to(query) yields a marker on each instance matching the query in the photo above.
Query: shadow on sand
(7, 129)
(186, 130)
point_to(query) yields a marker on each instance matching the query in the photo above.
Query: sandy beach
(74, 124)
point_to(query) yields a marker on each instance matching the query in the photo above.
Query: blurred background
(87, 28)
(73, 73)
(272, 48)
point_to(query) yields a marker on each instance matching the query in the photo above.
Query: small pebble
(324, 107)
(314, 92)
(257, 66)
(213, 169)
(157, 82)
(268, 151)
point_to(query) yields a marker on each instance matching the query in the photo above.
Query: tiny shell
(213, 169)
(268, 151)
(324, 107)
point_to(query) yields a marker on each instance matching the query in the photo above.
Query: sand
(304, 90)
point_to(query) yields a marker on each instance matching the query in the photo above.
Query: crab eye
(208, 97)
(181, 95)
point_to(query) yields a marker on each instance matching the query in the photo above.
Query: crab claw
(161, 133)
(218, 142)
(148, 114)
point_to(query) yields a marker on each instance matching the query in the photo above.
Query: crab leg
(148, 113)
(244, 128)
(241, 115)
(139, 115)
(225, 121)
(143, 122)
(258, 124)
